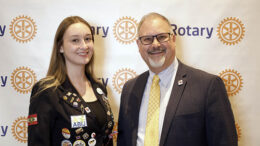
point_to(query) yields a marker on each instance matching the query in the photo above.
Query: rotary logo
(233, 81)
(19, 129)
(238, 131)
(231, 31)
(23, 29)
(121, 77)
(125, 30)
(22, 79)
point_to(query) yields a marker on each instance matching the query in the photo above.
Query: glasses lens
(147, 40)
(163, 37)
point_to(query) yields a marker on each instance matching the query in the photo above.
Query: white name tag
(78, 121)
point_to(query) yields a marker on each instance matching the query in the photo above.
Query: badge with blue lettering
(78, 121)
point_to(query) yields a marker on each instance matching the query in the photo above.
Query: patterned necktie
(152, 123)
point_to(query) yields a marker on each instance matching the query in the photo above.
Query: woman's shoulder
(41, 88)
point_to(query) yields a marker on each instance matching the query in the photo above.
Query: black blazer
(54, 108)
(198, 112)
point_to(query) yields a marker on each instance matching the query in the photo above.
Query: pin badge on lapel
(79, 130)
(65, 97)
(78, 100)
(65, 133)
(180, 82)
(75, 104)
(93, 135)
(92, 142)
(110, 123)
(72, 99)
(99, 91)
(85, 136)
(69, 93)
(104, 97)
(87, 110)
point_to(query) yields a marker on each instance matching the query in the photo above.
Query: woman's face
(77, 47)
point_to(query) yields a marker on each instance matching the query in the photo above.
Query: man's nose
(155, 42)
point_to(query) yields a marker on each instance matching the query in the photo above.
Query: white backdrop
(218, 36)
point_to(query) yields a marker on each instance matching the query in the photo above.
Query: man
(193, 108)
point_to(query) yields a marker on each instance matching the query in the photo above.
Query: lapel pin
(93, 135)
(69, 93)
(65, 97)
(78, 100)
(105, 97)
(99, 91)
(87, 110)
(72, 99)
(180, 82)
(85, 136)
(108, 113)
(75, 104)
(110, 123)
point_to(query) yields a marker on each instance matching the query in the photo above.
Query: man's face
(158, 55)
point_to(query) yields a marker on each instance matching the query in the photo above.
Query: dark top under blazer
(198, 112)
(54, 109)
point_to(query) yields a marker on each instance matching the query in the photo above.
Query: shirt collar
(166, 75)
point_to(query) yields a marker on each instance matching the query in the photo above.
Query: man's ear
(174, 38)
(138, 43)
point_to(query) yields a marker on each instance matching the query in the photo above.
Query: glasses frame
(155, 36)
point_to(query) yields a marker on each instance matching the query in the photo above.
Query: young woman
(68, 107)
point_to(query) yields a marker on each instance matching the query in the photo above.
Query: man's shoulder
(194, 72)
(142, 77)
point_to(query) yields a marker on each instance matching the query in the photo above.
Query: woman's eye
(88, 39)
(75, 40)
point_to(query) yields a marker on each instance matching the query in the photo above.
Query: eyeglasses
(148, 40)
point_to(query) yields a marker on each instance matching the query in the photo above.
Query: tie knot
(156, 79)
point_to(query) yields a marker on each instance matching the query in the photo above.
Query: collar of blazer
(72, 97)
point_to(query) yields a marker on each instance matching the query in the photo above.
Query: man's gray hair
(152, 15)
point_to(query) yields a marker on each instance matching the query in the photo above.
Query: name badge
(78, 121)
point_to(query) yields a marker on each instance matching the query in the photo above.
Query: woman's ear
(61, 50)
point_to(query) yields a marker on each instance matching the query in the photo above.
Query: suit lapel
(177, 90)
(135, 102)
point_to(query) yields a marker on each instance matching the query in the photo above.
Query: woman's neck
(77, 74)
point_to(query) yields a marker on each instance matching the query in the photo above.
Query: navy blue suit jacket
(198, 112)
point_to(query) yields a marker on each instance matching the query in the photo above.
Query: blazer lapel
(177, 90)
(135, 102)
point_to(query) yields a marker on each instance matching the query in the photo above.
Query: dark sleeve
(40, 134)
(121, 134)
(220, 123)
